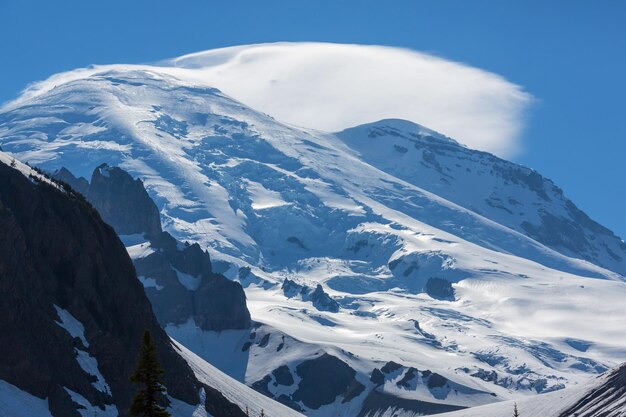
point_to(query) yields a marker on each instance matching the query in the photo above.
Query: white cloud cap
(331, 87)
(334, 86)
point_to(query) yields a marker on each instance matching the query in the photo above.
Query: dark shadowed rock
(79, 184)
(186, 288)
(377, 376)
(282, 376)
(322, 301)
(409, 376)
(56, 251)
(390, 366)
(436, 381)
(439, 288)
(59, 261)
(318, 297)
(185, 285)
(123, 202)
(379, 402)
(323, 380)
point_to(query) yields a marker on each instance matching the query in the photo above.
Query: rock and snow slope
(525, 269)
(510, 194)
(604, 396)
(73, 313)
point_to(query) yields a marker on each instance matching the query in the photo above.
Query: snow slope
(234, 391)
(17, 403)
(272, 201)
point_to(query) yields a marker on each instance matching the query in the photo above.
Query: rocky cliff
(73, 311)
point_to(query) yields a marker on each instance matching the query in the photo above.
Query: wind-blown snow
(334, 86)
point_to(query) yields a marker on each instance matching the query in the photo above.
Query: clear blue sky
(571, 55)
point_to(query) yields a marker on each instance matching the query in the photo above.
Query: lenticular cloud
(334, 86)
(331, 87)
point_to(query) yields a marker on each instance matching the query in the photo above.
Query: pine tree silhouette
(515, 412)
(149, 397)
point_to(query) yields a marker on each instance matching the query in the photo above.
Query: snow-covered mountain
(459, 279)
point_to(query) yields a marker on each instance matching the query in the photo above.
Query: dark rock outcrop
(439, 288)
(321, 381)
(409, 376)
(322, 301)
(56, 251)
(211, 300)
(79, 184)
(123, 202)
(377, 377)
(318, 297)
(59, 262)
(317, 389)
(390, 367)
(282, 376)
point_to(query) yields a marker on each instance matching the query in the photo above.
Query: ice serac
(507, 193)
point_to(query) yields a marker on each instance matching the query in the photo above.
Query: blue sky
(570, 55)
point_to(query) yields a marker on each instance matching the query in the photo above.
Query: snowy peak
(395, 128)
(509, 194)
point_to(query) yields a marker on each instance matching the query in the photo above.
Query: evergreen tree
(515, 412)
(149, 397)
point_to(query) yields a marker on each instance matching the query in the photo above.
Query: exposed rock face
(439, 288)
(321, 381)
(318, 297)
(123, 202)
(61, 264)
(186, 288)
(79, 184)
(377, 377)
(317, 389)
(73, 310)
(322, 301)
